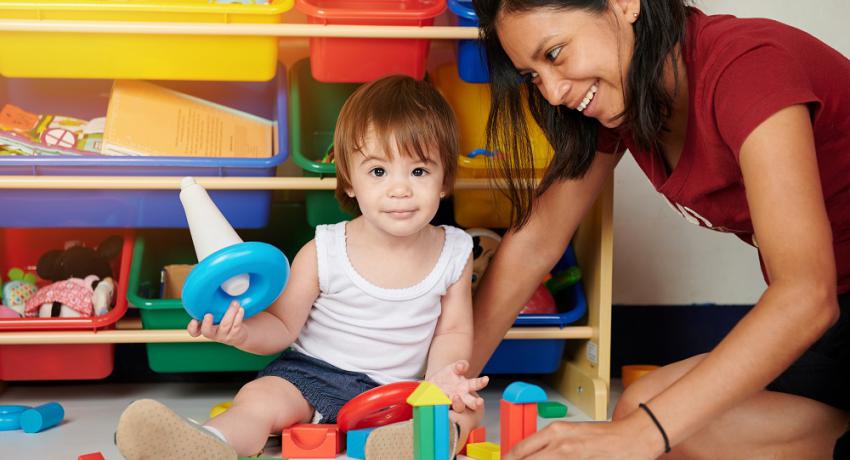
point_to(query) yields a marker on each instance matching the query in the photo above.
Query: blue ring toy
(268, 270)
(10, 417)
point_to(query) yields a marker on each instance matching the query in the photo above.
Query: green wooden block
(423, 433)
(551, 409)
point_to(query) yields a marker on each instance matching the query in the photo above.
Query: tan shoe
(148, 430)
(395, 442)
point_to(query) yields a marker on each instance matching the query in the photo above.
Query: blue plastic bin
(471, 55)
(88, 99)
(541, 356)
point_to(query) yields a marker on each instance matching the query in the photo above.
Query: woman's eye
(553, 53)
(418, 172)
(377, 172)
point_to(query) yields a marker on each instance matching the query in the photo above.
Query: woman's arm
(273, 330)
(525, 256)
(779, 165)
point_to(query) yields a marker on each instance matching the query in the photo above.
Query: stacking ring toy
(379, 406)
(10, 417)
(268, 270)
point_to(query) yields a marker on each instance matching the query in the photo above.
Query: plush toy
(484, 244)
(83, 284)
(18, 290)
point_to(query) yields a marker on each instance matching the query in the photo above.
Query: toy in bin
(228, 269)
(83, 283)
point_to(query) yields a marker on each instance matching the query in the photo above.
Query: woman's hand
(629, 438)
(461, 390)
(231, 330)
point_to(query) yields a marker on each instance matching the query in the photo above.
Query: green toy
(19, 289)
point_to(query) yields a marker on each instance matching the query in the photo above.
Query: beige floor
(91, 411)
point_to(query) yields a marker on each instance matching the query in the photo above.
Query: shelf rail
(211, 183)
(279, 30)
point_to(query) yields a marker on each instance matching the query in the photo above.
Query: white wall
(659, 259)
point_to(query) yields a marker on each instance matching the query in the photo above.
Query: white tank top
(383, 333)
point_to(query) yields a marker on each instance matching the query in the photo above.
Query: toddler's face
(397, 193)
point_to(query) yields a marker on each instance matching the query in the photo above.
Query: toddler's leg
(263, 406)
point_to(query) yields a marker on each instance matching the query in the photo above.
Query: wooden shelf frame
(584, 375)
(253, 30)
(138, 335)
(173, 183)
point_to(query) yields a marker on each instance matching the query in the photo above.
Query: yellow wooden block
(483, 451)
(428, 394)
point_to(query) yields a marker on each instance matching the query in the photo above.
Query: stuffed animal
(484, 244)
(83, 284)
(18, 290)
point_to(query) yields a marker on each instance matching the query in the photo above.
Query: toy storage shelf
(584, 375)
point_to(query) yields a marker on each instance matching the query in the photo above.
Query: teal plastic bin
(313, 110)
(155, 249)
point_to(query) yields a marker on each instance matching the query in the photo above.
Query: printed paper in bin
(147, 119)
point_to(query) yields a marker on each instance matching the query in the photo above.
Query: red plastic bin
(22, 247)
(356, 60)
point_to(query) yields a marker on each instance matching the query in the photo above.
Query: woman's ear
(626, 9)
(350, 192)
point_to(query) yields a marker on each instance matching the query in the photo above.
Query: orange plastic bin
(355, 60)
(21, 248)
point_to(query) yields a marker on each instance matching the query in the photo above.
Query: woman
(743, 125)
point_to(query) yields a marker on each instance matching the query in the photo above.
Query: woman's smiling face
(576, 58)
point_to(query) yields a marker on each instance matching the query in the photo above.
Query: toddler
(383, 298)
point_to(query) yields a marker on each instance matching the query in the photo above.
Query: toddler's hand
(458, 388)
(230, 330)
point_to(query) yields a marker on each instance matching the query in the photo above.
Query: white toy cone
(210, 230)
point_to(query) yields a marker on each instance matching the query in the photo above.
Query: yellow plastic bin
(139, 56)
(471, 104)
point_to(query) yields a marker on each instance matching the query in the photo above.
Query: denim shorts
(327, 388)
(822, 373)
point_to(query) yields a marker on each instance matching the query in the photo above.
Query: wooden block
(483, 451)
(551, 409)
(441, 433)
(511, 422)
(529, 420)
(477, 435)
(91, 456)
(310, 441)
(356, 442)
(423, 433)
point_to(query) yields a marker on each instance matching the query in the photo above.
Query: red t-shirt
(741, 71)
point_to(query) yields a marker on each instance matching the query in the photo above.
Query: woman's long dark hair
(659, 29)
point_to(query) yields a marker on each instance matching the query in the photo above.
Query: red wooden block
(311, 441)
(477, 435)
(91, 456)
(511, 422)
(529, 420)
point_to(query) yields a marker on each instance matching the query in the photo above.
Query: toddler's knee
(255, 392)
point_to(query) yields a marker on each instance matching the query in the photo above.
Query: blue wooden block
(524, 393)
(355, 443)
(441, 433)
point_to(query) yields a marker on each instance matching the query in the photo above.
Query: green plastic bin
(155, 249)
(313, 109)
